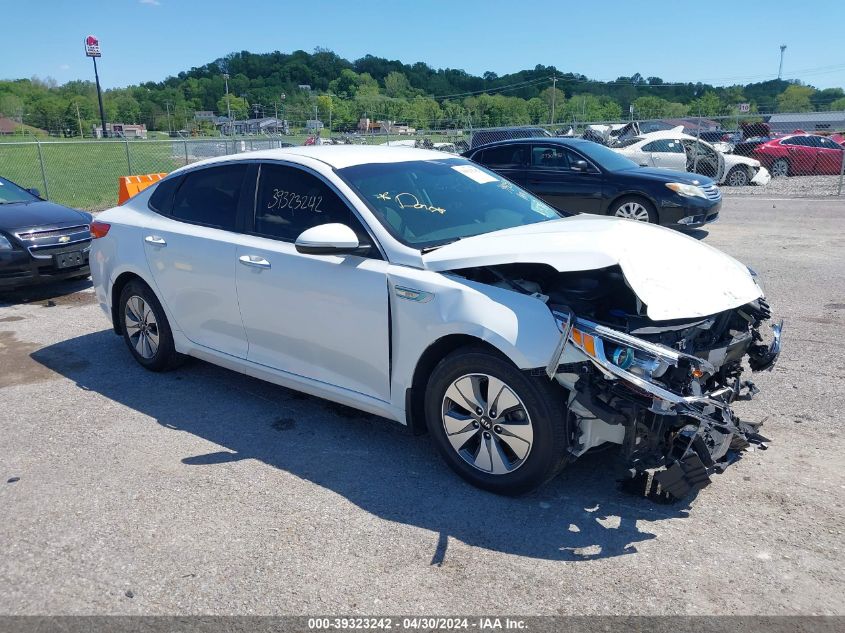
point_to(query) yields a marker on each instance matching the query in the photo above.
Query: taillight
(99, 229)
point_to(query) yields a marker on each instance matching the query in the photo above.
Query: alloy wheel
(487, 424)
(141, 326)
(632, 211)
(780, 168)
(738, 178)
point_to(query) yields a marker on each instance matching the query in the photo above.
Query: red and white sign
(92, 47)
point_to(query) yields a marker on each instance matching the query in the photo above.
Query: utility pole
(780, 66)
(79, 120)
(228, 107)
(554, 92)
(169, 127)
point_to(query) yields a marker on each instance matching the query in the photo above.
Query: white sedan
(423, 288)
(672, 149)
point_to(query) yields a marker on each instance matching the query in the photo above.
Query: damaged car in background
(423, 288)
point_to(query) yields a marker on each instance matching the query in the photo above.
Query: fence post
(128, 159)
(841, 173)
(43, 171)
(185, 143)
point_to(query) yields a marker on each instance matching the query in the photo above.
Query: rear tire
(738, 177)
(145, 328)
(634, 208)
(780, 168)
(510, 451)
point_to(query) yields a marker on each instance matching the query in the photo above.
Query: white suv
(428, 290)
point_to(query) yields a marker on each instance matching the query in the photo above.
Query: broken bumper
(697, 434)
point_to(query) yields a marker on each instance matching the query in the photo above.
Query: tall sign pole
(92, 50)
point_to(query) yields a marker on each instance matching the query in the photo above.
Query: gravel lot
(203, 491)
(799, 186)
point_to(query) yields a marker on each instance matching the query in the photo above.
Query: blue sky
(145, 40)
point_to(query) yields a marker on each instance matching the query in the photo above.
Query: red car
(800, 155)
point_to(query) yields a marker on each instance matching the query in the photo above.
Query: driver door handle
(155, 240)
(255, 261)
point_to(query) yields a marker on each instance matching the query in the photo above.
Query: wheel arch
(634, 194)
(433, 354)
(116, 289)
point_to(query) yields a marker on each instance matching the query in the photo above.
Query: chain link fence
(747, 155)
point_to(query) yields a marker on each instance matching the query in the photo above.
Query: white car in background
(421, 287)
(672, 149)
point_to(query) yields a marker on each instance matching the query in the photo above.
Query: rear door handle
(256, 261)
(155, 240)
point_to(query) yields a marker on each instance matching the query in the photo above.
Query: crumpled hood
(675, 275)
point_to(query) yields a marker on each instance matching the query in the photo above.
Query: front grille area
(712, 192)
(44, 243)
(37, 234)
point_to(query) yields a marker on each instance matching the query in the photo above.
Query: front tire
(738, 177)
(634, 208)
(780, 168)
(146, 330)
(498, 428)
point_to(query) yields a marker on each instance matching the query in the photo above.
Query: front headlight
(631, 357)
(5, 244)
(690, 191)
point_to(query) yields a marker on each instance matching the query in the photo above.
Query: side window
(209, 196)
(503, 157)
(291, 200)
(549, 157)
(664, 145)
(795, 140)
(162, 199)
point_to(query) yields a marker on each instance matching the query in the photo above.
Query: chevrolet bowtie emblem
(64, 239)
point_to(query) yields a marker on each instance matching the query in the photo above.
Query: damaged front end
(664, 392)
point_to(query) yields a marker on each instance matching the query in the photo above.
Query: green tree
(707, 104)
(796, 99)
(838, 105)
(397, 85)
(238, 105)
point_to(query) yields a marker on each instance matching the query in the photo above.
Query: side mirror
(34, 192)
(580, 165)
(327, 239)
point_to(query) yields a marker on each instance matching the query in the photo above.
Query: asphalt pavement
(204, 491)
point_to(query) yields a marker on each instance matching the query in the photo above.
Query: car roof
(336, 156)
(557, 140)
(672, 134)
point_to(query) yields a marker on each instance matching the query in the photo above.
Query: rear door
(190, 250)
(551, 176)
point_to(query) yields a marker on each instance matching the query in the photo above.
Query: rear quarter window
(162, 199)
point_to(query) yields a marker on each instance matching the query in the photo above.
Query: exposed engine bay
(660, 390)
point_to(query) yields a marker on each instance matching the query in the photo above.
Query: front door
(191, 251)
(553, 177)
(324, 317)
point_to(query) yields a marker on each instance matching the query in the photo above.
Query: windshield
(434, 202)
(10, 193)
(605, 157)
